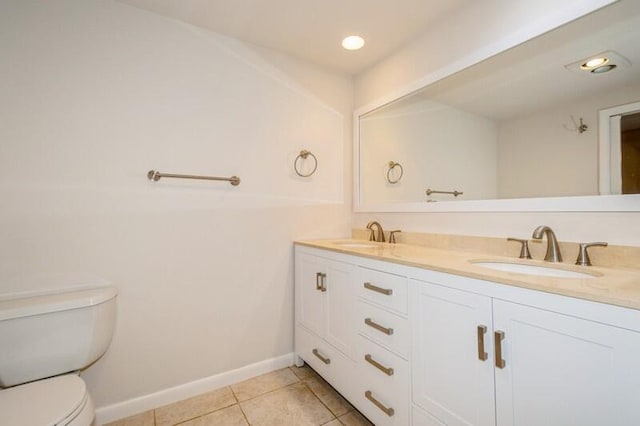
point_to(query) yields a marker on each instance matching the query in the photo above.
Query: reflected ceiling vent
(599, 64)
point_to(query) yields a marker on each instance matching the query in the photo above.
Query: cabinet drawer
(384, 328)
(383, 289)
(326, 360)
(381, 369)
(382, 397)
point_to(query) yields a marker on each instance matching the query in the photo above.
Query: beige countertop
(618, 286)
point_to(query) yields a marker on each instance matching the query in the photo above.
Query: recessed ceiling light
(353, 42)
(594, 63)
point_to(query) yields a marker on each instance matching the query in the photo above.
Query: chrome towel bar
(455, 193)
(155, 176)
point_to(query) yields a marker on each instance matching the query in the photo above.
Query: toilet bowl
(61, 400)
(46, 339)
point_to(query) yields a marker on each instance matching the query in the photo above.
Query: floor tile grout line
(234, 393)
(235, 397)
(203, 414)
(267, 393)
(246, 419)
(317, 376)
(237, 402)
(272, 390)
(296, 374)
(334, 389)
(321, 402)
(353, 409)
(299, 380)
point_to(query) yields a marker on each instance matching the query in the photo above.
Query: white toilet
(45, 339)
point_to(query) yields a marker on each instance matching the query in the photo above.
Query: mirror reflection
(523, 124)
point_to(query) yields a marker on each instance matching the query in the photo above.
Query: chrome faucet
(553, 250)
(372, 236)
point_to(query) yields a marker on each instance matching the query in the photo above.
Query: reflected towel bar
(156, 175)
(454, 193)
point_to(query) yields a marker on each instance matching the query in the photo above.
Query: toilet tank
(49, 333)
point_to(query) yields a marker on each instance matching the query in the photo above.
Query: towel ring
(304, 154)
(392, 165)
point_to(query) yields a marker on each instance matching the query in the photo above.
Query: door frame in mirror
(595, 203)
(609, 146)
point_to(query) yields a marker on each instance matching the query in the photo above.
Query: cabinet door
(339, 301)
(561, 370)
(450, 380)
(309, 298)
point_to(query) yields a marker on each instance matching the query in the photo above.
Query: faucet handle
(392, 236)
(583, 255)
(524, 250)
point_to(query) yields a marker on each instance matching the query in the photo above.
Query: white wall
(438, 146)
(538, 157)
(94, 94)
(484, 27)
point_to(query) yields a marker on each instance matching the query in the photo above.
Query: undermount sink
(352, 244)
(537, 270)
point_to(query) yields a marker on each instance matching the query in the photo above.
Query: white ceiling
(532, 77)
(312, 29)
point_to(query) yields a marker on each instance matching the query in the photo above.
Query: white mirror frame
(595, 203)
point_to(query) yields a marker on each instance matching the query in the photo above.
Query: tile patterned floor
(291, 396)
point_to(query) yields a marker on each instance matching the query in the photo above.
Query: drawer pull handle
(320, 284)
(386, 370)
(385, 330)
(320, 357)
(498, 336)
(377, 289)
(387, 410)
(482, 355)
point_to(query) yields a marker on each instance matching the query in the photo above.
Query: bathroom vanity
(421, 336)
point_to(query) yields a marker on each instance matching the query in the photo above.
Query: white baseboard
(143, 403)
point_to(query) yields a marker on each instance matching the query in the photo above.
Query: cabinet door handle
(385, 330)
(387, 410)
(320, 357)
(320, 284)
(386, 370)
(498, 336)
(482, 355)
(377, 289)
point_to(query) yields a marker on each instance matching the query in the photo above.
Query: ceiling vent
(600, 63)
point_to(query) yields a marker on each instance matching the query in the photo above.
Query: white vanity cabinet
(452, 367)
(561, 370)
(479, 360)
(352, 328)
(325, 332)
(325, 300)
(407, 345)
(382, 353)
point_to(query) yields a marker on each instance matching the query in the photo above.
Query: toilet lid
(44, 402)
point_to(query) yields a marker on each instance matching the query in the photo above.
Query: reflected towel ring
(304, 154)
(392, 165)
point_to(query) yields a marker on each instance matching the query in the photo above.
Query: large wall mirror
(538, 128)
